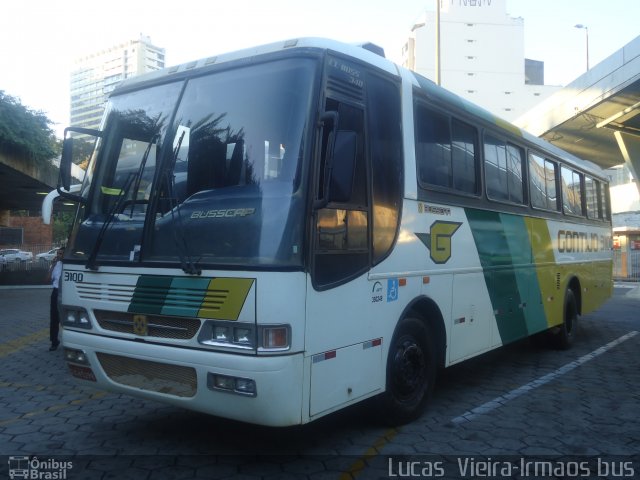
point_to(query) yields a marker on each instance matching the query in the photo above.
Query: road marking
(360, 464)
(503, 399)
(51, 408)
(12, 346)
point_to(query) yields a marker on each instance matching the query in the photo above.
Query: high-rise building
(481, 56)
(95, 76)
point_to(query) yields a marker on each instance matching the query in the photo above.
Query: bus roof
(352, 50)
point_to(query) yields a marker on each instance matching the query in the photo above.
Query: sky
(40, 39)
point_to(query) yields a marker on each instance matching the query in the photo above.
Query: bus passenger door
(341, 256)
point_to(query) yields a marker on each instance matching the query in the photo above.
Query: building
(625, 209)
(95, 76)
(482, 56)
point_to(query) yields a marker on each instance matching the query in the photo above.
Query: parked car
(13, 255)
(47, 257)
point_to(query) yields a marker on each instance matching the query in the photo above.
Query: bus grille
(155, 325)
(152, 376)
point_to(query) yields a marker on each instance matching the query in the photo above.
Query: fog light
(237, 385)
(246, 386)
(225, 383)
(75, 356)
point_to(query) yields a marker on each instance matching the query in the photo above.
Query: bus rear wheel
(563, 337)
(411, 372)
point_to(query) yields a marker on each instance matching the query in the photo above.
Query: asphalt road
(523, 411)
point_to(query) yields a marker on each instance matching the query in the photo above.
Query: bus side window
(445, 151)
(542, 182)
(384, 122)
(591, 189)
(433, 148)
(571, 191)
(504, 166)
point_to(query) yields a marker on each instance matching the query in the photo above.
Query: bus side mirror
(65, 163)
(72, 148)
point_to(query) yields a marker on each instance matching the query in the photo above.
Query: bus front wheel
(411, 372)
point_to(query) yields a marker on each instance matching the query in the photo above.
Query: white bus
(274, 234)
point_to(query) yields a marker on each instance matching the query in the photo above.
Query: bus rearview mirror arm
(327, 120)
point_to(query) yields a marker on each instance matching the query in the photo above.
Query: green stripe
(221, 298)
(502, 241)
(150, 294)
(185, 296)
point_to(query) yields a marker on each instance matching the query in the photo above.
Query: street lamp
(586, 31)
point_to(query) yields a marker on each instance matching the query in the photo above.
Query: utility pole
(438, 77)
(586, 31)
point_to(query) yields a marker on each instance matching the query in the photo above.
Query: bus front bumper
(216, 383)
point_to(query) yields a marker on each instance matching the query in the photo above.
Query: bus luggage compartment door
(343, 375)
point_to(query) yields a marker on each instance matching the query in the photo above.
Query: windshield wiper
(117, 206)
(188, 265)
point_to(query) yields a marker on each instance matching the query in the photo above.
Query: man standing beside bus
(54, 316)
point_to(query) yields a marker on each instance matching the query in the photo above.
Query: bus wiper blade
(117, 206)
(187, 264)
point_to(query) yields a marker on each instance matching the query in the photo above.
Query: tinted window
(503, 170)
(433, 148)
(591, 189)
(231, 194)
(571, 191)
(445, 153)
(604, 201)
(463, 152)
(385, 139)
(542, 183)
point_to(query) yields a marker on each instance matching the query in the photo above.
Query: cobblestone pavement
(523, 402)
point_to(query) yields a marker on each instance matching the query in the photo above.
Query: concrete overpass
(597, 116)
(21, 182)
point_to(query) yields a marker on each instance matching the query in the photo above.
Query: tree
(25, 132)
(62, 227)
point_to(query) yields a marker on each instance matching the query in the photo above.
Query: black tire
(411, 373)
(564, 336)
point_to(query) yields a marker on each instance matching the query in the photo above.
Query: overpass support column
(4, 218)
(631, 154)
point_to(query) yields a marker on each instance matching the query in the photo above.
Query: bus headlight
(228, 334)
(75, 317)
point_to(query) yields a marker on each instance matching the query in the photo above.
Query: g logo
(438, 240)
(140, 325)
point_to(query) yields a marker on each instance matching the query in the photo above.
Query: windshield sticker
(392, 290)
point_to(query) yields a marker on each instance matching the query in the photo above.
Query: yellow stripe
(225, 298)
(111, 191)
(358, 466)
(13, 346)
(546, 270)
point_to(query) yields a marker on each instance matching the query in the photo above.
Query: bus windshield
(205, 171)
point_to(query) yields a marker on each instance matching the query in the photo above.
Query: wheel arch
(427, 310)
(574, 286)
